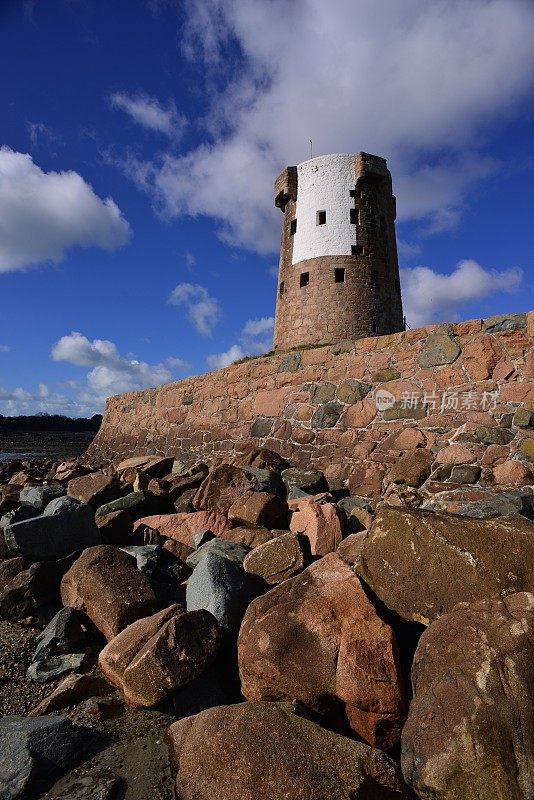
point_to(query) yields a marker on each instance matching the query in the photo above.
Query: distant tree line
(50, 422)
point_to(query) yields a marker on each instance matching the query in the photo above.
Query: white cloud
(150, 113)
(43, 214)
(417, 82)
(249, 343)
(220, 360)
(111, 373)
(38, 131)
(20, 401)
(430, 296)
(407, 250)
(44, 391)
(254, 327)
(203, 311)
(177, 363)
(4, 348)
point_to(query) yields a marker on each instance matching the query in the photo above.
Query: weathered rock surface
(72, 690)
(32, 748)
(39, 496)
(32, 589)
(413, 468)
(223, 588)
(221, 547)
(320, 522)
(279, 559)
(94, 489)
(106, 585)
(158, 654)
(60, 647)
(309, 481)
(470, 730)
(182, 527)
(264, 751)
(259, 509)
(318, 638)
(222, 487)
(49, 537)
(420, 564)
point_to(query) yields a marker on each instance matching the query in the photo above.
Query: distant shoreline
(43, 445)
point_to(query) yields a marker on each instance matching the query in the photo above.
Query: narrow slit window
(320, 218)
(357, 250)
(293, 227)
(339, 275)
(282, 289)
(304, 279)
(355, 193)
(355, 216)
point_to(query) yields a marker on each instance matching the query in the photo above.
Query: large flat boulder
(182, 527)
(158, 654)
(470, 729)
(264, 751)
(318, 638)
(55, 536)
(420, 564)
(106, 585)
(94, 489)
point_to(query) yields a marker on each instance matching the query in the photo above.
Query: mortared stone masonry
(466, 391)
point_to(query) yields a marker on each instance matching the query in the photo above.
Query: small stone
(349, 392)
(385, 375)
(322, 393)
(465, 473)
(505, 322)
(261, 427)
(527, 449)
(70, 691)
(513, 473)
(455, 454)
(494, 435)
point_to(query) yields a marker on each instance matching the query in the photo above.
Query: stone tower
(339, 274)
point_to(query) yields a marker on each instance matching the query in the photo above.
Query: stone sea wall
(464, 391)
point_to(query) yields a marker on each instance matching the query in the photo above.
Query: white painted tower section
(324, 184)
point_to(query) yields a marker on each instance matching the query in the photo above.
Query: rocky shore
(257, 631)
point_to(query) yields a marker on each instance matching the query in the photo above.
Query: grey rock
(322, 393)
(505, 322)
(347, 504)
(501, 504)
(53, 536)
(309, 481)
(221, 547)
(290, 363)
(18, 515)
(261, 427)
(147, 556)
(53, 667)
(439, 348)
(399, 410)
(326, 416)
(59, 505)
(385, 375)
(223, 588)
(40, 496)
(62, 634)
(522, 418)
(344, 346)
(33, 748)
(350, 392)
(295, 493)
(130, 502)
(201, 537)
(465, 473)
(267, 480)
(494, 435)
(55, 654)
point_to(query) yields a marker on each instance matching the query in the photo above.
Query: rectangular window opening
(355, 193)
(320, 218)
(357, 250)
(282, 289)
(304, 279)
(355, 216)
(339, 275)
(293, 227)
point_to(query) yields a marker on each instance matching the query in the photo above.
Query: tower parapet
(339, 274)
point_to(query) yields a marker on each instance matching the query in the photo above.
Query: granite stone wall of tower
(338, 275)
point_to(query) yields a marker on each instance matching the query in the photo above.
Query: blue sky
(138, 237)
